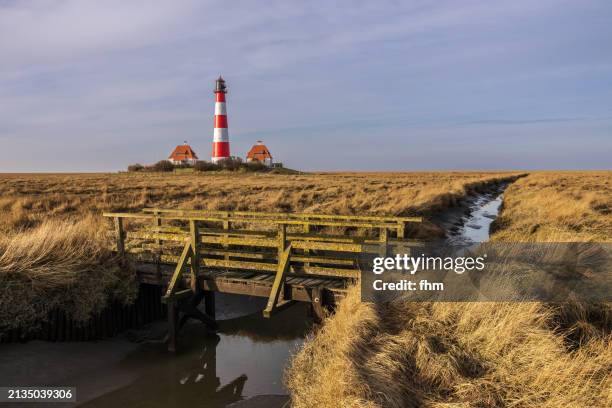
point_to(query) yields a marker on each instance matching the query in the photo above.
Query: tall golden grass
(557, 207)
(398, 355)
(59, 264)
(54, 244)
(28, 199)
(408, 354)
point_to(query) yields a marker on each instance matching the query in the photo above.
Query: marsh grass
(54, 244)
(59, 264)
(29, 199)
(411, 354)
(54, 253)
(557, 207)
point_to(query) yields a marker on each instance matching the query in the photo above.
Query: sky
(343, 85)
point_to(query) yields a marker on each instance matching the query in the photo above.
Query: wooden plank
(157, 236)
(269, 268)
(291, 280)
(308, 282)
(326, 241)
(283, 268)
(178, 272)
(260, 290)
(255, 219)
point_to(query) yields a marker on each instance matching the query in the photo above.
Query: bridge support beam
(318, 312)
(278, 287)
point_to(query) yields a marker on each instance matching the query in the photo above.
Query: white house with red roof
(259, 153)
(183, 154)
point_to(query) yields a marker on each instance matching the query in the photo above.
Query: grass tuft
(59, 264)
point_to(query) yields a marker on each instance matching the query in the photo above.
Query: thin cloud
(82, 75)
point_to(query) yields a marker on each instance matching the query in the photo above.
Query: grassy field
(28, 199)
(559, 207)
(399, 355)
(54, 242)
(476, 354)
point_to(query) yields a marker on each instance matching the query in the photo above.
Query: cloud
(55, 31)
(87, 73)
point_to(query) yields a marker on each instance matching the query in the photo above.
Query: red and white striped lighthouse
(220, 149)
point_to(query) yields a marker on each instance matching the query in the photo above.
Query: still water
(245, 358)
(241, 364)
(475, 227)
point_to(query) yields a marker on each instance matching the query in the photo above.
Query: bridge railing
(306, 220)
(282, 244)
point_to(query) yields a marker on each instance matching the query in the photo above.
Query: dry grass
(559, 207)
(53, 250)
(59, 264)
(410, 354)
(397, 355)
(448, 355)
(28, 199)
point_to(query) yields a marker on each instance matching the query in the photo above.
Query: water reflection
(246, 358)
(207, 376)
(476, 227)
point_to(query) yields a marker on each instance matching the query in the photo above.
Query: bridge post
(401, 229)
(226, 226)
(384, 240)
(282, 239)
(209, 296)
(306, 229)
(316, 296)
(120, 236)
(157, 222)
(194, 235)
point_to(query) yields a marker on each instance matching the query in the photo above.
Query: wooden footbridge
(284, 257)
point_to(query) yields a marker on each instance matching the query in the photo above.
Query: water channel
(241, 365)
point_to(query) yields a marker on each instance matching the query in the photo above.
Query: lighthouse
(220, 148)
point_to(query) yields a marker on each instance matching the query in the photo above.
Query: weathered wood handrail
(254, 220)
(305, 219)
(283, 215)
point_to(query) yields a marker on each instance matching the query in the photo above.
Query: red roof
(183, 152)
(259, 152)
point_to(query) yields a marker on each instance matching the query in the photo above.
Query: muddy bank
(446, 214)
(114, 319)
(469, 219)
(241, 364)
